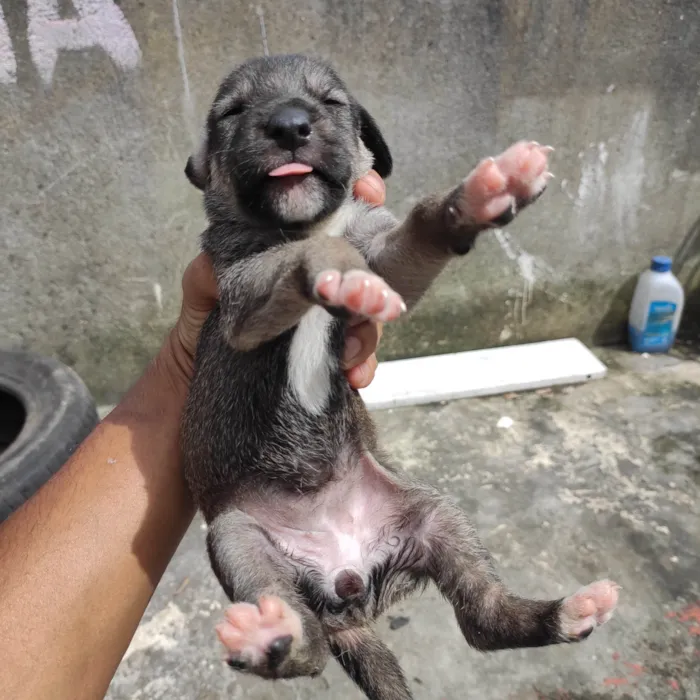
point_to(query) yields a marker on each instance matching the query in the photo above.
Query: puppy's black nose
(290, 127)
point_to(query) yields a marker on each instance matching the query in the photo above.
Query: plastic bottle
(656, 308)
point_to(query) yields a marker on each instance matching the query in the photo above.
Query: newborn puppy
(312, 532)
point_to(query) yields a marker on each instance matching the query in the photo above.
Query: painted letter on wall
(98, 23)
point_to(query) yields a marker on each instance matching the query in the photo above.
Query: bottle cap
(661, 263)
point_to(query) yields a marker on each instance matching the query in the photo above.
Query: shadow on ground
(597, 480)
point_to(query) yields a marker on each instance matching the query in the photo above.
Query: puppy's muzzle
(290, 127)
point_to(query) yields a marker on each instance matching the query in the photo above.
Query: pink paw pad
(500, 185)
(259, 636)
(587, 609)
(362, 293)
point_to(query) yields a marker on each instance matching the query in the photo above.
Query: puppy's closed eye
(234, 110)
(334, 101)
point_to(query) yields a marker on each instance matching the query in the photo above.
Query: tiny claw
(549, 176)
(279, 650)
(404, 308)
(535, 143)
(548, 149)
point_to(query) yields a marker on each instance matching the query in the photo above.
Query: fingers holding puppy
(371, 189)
(359, 358)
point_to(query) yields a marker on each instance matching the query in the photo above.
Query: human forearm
(80, 561)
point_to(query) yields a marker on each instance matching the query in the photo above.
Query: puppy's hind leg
(269, 631)
(489, 616)
(370, 664)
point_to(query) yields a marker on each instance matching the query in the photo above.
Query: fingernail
(352, 349)
(375, 182)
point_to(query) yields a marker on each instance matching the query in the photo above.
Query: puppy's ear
(197, 168)
(372, 138)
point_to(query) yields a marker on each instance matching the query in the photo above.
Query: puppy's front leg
(267, 293)
(410, 256)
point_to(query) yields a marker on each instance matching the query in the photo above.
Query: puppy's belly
(349, 524)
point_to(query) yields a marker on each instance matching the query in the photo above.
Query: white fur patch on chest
(336, 224)
(308, 365)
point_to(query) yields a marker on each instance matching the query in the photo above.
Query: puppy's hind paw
(588, 608)
(260, 638)
(361, 293)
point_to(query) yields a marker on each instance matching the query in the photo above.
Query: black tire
(45, 413)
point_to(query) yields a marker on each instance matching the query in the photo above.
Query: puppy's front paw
(587, 609)
(260, 638)
(498, 188)
(362, 293)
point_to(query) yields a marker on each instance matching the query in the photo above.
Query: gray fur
(259, 457)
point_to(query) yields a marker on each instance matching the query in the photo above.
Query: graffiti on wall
(94, 23)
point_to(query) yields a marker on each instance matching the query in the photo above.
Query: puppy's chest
(313, 360)
(317, 341)
(337, 224)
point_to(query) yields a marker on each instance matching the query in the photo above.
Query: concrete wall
(100, 101)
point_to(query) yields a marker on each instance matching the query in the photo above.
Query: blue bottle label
(658, 332)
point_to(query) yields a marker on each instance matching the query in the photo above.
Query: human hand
(200, 294)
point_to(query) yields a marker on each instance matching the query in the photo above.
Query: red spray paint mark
(691, 613)
(670, 615)
(694, 630)
(674, 684)
(616, 656)
(615, 682)
(636, 669)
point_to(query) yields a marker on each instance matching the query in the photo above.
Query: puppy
(311, 531)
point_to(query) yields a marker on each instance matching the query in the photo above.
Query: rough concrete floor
(598, 480)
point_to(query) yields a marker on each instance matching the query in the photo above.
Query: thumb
(199, 296)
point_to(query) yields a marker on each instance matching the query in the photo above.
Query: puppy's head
(285, 140)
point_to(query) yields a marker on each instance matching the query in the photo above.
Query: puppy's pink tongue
(290, 169)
